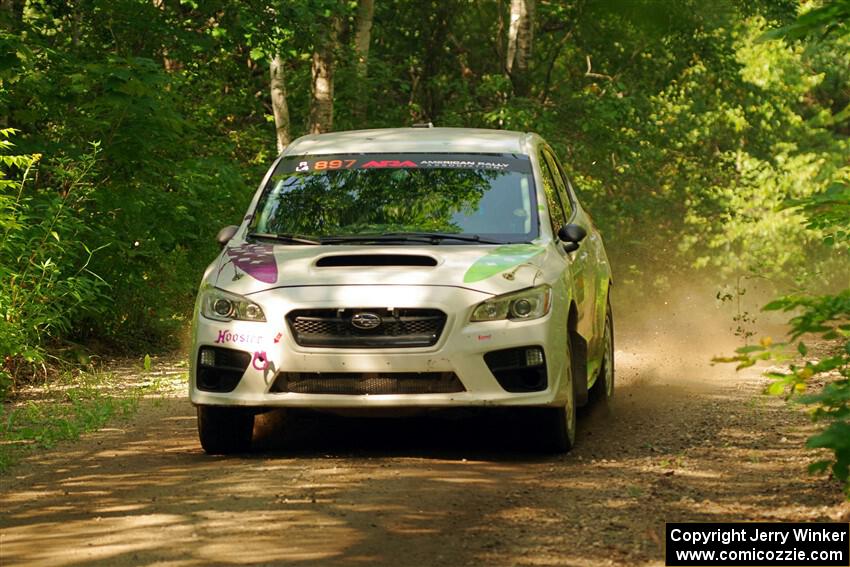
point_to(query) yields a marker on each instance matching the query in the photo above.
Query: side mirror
(571, 235)
(225, 234)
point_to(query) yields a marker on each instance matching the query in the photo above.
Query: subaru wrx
(406, 268)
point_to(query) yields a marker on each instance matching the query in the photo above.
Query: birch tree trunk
(280, 108)
(520, 43)
(322, 83)
(362, 40)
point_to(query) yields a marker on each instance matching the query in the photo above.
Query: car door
(557, 215)
(591, 261)
(582, 259)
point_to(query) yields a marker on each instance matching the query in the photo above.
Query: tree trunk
(279, 106)
(322, 84)
(435, 31)
(362, 40)
(520, 42)
(363, 34)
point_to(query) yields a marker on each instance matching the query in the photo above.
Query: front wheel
(224, 430)
(557, 426)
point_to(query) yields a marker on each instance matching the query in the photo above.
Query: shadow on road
(426, 490)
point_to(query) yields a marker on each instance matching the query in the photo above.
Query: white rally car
(406, 268)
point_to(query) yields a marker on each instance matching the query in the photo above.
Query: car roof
(414, 140)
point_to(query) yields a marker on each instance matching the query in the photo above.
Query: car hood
(247, 267)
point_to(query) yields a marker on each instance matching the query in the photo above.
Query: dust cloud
(674, 334)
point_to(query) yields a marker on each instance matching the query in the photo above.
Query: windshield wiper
(431, 237)
(446, 236)
(290, 238)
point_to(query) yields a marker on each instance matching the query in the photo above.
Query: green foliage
(45, 280)
(747, 146)
(827, 213)
(831, 18)
(827, 210)
(160, 189)
(829, 318)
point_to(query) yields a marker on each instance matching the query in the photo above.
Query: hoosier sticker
(229, 337)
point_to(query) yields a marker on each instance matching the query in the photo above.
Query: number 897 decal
(332, 164)
(326, 164)
(405, 161)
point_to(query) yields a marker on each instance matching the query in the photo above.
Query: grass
(69, 406)
(634, 491)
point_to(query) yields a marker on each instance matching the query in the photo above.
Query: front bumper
(460, 349)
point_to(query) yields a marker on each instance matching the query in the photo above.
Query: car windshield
(449, 198)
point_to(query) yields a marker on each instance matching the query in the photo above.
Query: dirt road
(683, 441)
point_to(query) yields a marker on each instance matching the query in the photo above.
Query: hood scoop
(361, 260)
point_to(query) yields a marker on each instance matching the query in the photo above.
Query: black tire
(224, 430)
(603, 388)
(557, 426)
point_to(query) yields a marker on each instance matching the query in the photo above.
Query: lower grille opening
(361, 383)
(520, 369)
(220, 369)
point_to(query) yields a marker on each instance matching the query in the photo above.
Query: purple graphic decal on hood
(256, 260)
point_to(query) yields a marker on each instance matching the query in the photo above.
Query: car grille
(360, 383)
(333, 328)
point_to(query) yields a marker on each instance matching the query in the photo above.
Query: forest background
(711, 141)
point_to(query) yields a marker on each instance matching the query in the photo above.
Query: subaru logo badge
(366, 321)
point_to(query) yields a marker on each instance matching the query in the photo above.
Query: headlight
(522, 305)
(221, 305)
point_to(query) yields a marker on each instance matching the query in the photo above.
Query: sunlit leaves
(824, 316)
(833, 18)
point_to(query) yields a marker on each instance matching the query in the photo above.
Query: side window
(561, 182)
(553, 199)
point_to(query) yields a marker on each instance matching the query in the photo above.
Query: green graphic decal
(501, 259)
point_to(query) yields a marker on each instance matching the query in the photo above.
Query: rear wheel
(603, 388)
(224, 430)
